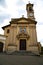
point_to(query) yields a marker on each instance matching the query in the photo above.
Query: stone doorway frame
(20, 47)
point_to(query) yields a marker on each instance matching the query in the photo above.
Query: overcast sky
(16, 8)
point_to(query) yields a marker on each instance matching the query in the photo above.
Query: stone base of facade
(34, 49)
(13, 48)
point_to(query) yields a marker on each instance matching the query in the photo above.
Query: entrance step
(30, 53)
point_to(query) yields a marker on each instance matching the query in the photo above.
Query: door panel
(22, 44)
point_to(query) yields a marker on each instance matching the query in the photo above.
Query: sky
(16, 8)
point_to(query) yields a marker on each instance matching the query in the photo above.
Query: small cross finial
(28, 1)
(22, 15)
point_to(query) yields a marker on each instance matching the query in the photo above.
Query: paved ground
(20, 60)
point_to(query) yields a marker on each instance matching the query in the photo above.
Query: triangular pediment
(22, 20)
(19, 20)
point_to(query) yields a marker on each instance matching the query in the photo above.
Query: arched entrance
(1, 47)
(22, 37)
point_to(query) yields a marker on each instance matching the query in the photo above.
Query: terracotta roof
(5, 26)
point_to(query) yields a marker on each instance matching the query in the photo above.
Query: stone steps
(23, 53)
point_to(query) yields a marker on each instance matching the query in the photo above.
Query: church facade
(21, 33)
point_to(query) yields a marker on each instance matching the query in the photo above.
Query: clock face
(31, 14)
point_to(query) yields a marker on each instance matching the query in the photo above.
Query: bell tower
(30, 11)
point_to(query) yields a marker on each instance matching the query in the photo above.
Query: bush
(42, 50)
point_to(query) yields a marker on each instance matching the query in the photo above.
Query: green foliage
(41, 51)
(41, 48)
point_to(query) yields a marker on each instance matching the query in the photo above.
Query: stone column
(11, 34)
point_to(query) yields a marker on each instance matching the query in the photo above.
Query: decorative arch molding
(23, 35)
